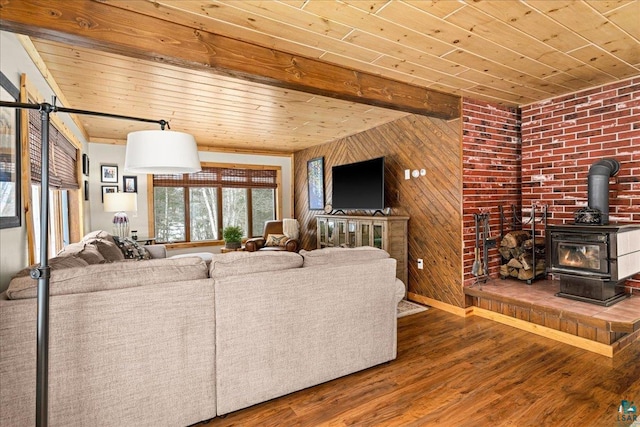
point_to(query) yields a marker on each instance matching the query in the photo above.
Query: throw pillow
(131, 249)
(276, 240)
(98, 234)
(91, 254)
(71, 249)
(105, 244)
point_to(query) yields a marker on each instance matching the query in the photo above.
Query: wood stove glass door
(586, 258)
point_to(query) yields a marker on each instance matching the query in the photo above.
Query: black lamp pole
(42, 273)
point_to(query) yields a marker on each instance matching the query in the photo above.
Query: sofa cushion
(82, 250)
(22, 279)
(239, 263)
(205, 256)
(71, 249)
(131, 249)
(335, 256)
(105, 244)
(118, 275)
(156, 251)
(56, 263)
(275, 240)
(400, 290)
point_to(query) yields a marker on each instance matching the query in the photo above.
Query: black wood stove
(593, 261)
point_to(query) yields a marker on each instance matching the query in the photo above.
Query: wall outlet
(420, 264)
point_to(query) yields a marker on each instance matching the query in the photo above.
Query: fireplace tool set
(480, 268)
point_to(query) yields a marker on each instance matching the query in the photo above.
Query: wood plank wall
(433, 202)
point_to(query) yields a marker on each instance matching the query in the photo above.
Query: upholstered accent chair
(273, 239)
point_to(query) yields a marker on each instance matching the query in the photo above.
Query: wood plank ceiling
(506, 51)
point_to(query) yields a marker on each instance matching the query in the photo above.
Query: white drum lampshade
(119, 203)
(161, 152)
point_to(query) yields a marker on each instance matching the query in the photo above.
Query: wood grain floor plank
(457, 371)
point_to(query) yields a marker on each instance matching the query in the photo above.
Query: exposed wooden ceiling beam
(104, 27)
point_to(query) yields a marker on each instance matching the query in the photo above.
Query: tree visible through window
(234, 208)
(204, 213)
(263, 208)
(169, 214)
(196, 207)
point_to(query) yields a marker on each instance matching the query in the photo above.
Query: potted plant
(232, 236)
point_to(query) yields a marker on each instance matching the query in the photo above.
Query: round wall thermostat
(415, 173)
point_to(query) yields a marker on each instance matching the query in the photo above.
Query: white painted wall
(110, 154)
(15, 61)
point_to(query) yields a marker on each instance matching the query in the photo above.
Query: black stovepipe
(598, 186)
(42, 273)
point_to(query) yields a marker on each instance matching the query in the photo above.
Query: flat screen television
(359, 185)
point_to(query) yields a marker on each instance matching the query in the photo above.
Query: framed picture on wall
(109, 173)
(9, 156)
(130, 184)
(315, 180)
(86, 190)
(85, 164)
(108, 189)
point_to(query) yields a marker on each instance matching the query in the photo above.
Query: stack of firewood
(517, 250)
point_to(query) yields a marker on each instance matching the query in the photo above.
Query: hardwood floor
(454, 371)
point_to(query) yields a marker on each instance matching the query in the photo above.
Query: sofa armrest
(254, 244)
(292, 245)
(156, 251)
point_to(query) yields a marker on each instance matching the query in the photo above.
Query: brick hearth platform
(604, 330)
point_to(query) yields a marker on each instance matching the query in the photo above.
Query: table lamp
(119, 203)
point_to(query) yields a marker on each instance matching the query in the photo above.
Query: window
(203, 205)
(58, 219)
(196, 207)
(262, 208)
(234, 208)
(169, 214)
(62, 179)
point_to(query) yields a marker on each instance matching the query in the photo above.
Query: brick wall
(541, 156)
(491, 172)
(562, 137)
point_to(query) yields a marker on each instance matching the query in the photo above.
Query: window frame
(277, 204)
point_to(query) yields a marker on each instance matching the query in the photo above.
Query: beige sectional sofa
(171, 342)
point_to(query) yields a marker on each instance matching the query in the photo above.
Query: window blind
(220, 177)
(62, 155)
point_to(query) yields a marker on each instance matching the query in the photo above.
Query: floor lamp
(179, 155)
